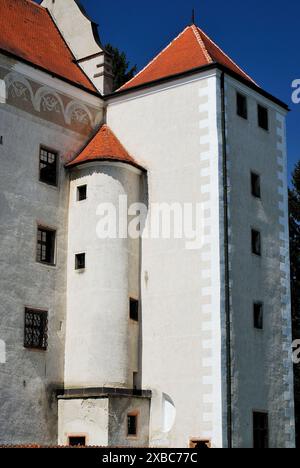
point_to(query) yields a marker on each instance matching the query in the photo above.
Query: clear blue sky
(261, 35)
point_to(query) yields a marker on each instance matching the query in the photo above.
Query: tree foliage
(121, 67)
(294, 221)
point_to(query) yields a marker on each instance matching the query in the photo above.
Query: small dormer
(81, 35)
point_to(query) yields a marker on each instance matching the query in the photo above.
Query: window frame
(264, 108)
(136, 415)
(239, 95)
(32, 310)
(56, 153)
(41, 227)
(267, 429)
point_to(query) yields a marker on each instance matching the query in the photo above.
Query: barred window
(46, 245)
(132, 421)
(36, 329)
(48, 167)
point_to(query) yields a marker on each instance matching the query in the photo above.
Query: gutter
(226, 261)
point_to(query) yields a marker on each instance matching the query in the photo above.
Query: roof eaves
(193, 71)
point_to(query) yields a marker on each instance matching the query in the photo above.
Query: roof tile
(191, 49)
(28, 31)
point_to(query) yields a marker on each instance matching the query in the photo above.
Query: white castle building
(139, 341)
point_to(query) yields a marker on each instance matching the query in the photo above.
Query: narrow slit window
(36, 329)
(263, 117)
(80, 261)
(132, 421)
(134, 310)
(48, 166)
(46, 245)
(256, 242)
(242, 106)
(260, 430)
(258, 315)
(82, 193)
(255, 185)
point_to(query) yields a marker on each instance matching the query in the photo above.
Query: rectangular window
(260, 430)
(36, 329)
(258, 313)
(255, 185)
(242, 106)
(80, 261)
(256, 242)
(75, 441)
(82, 193)
(132, 420)
(48, 166)
(263, 117)
(46, 246)
(134, 310)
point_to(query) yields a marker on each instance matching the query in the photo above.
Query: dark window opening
(242, 107)
(77, 441)
(132, 425)
(48, 167)
(134, 310)
(260, 431)
(199, 444)
(36, 329)
(258, 312)
(82, 193)
(256, 242)
(255, 185)
(263, 117)
(80, 261)
(46, 246)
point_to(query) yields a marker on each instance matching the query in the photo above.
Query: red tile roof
(28, 31)
(104, 146)
(191, 49)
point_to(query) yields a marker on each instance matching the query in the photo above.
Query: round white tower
(103, 273)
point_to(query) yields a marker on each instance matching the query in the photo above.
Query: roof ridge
(201, 43)
(154, 59)
(227, 56)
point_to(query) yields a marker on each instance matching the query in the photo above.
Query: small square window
(80, 261)
(48, 166)
(132, 420)
(242, 106)
(258, 315)
(82, 193)
(263, 117)
(256, 242)
(134, 310)
(75, 441)
(260, 430)
(255, 185)
(46, 246)
(36, 329)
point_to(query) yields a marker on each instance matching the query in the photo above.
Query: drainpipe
(227, 273)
